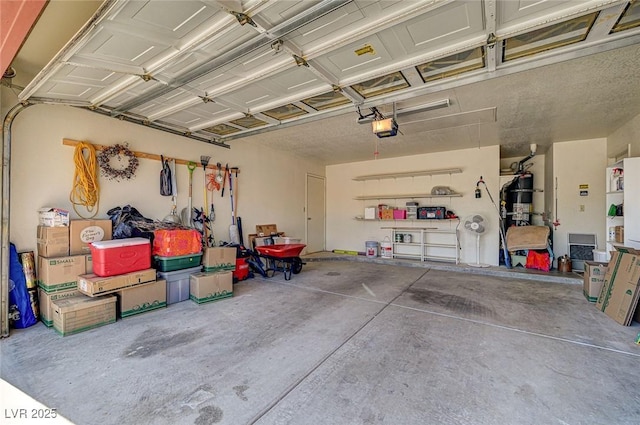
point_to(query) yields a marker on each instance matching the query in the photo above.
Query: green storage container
(180, 262)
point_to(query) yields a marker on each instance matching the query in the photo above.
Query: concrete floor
(345, 342)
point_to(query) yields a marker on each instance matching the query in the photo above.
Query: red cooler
(120, 256)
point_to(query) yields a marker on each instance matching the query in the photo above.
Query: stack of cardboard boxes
(215, 282)
(617, 285)
(86, 279)
(63, 255)
(122, 267)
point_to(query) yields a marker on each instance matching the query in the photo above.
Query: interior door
(315, 210)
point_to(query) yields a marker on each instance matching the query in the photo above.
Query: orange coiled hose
(85, 191)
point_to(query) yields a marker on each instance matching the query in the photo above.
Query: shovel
(187, 212)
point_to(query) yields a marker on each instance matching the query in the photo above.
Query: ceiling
(292, 74)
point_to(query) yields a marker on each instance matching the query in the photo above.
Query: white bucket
(386, 248)
(371, 248)
(600, 255)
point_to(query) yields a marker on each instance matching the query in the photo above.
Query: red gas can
(242, 269)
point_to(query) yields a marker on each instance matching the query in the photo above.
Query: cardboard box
(78, 314)
(594, 272)
(266, 229)
(120, 256)
(46, 298)
(620, 234)
(53, 217)
(219, 259)
(92, 285)
(370, 213)
(386, 214)
(60, 274)
(83, 232)
(619, 295)
(399, 214)
(141, 298)
(206, 287)
(88, 263)
(53, 241)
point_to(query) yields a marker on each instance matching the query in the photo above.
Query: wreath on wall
(122, 153)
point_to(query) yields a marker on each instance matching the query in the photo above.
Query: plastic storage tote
(178, 283)
(180, 262)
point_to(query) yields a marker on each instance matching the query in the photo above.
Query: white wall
(628, 134)
(576, 163)
(344, 232)
(537, 169)
(270, 187)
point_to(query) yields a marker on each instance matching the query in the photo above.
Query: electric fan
(475, 225)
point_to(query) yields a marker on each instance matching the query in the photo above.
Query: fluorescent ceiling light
(375, 114)
(444, 103)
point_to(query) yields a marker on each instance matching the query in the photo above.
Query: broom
(204, 160)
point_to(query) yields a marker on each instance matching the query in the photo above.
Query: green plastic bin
(180, 262)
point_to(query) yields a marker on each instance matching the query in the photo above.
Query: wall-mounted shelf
(408, 174)
(406, 196)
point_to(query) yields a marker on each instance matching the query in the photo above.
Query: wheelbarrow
(281, 257)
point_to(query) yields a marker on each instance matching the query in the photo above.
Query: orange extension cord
(85, 191)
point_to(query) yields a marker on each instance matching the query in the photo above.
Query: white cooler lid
(116, 243)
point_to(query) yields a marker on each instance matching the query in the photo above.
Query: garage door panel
(250, 95)
(132, 92)
(120, 48)
(67, 90)
(197, 116)
(442, 27)
(345, 62)
(294, 81)
(281, 11)
(519, 11)
(172, 18)
(346, 18)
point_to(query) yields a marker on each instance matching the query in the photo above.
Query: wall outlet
(581, 208)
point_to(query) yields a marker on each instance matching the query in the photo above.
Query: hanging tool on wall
(224, 179)
(187, 213)
(173, 216)
(204, 160)
(212, 185)
(556, 222)
(235, 173)
(219, 176)
(233, 229)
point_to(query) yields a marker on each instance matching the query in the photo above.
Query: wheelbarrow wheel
(296, 266)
